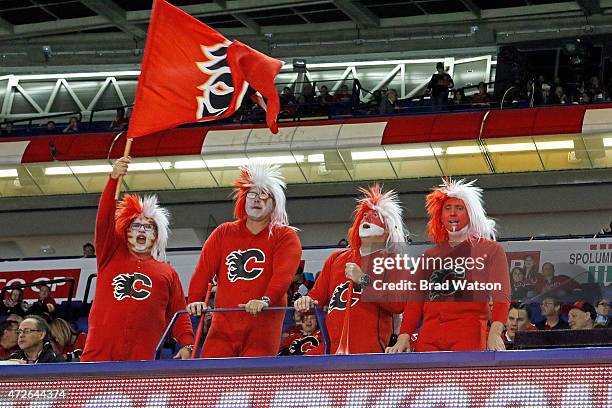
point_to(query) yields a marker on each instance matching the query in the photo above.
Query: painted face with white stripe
(141, 235)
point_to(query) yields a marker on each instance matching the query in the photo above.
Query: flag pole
(126, 153)
(343, 347)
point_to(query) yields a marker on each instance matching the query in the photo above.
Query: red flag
(191, 73)
(343, 347)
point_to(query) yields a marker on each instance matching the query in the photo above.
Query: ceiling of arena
(94, 32)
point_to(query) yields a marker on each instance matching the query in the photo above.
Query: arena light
(462, 150)
(607, 141)
(316, 158)
(408, 153)
(369, 155)
(9, 173)
(104, 168)
(555, 145)
(189, 164)
(148, 166)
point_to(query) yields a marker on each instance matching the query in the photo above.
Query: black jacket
(46, 356)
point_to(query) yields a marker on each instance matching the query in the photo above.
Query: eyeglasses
(603, 304)
(147, 227)
(27, 331)
(263, 195)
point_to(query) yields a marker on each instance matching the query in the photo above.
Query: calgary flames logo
(237, 261)
(302, 346)
(338, 299)
(218, 90)
(125, 286)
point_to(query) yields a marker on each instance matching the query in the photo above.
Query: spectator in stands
(343, 243)
(482, 98)
(45, 305)
(598, 91)
(373, 105)
(50, 128)
(519, 289)
(89, 251)
(324, 99)
(551, 310)
(8, 338)
(307, 340)
(34, 343)
(459, 99)
(14, 304)
(438, 87)
(15, 318)
(121, 120)
(603, 313)
(582, 316)
(306, 101)
(586, 97)
(68, 341)
(343, 99)
(606, 231)
(557, 286)
(389, 103)
(73, 125)
(532, 277)
(559, 97)
(519, 319)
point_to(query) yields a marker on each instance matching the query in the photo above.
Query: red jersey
(299, 343)
(135, 296)
(371, 323)
(247, 266)
(79, 344)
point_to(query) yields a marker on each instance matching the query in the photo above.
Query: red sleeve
(286, 259)
(207, 267)
(182, 330)
(499, 273)
(79, 344)
(411, 317)
(105, 238)
(320, 290)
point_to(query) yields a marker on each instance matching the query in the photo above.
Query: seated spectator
(343, 243)
(482, 98)
(121, 120)
(586, 97)
(8, 338)
(606, 231)
(389, 103)
(557, 286)
(517, 278)
(306, 101)
(73, 125)
(306, 341)
(559, 97)
(89, 251)
(50, 128)
(582, 316)
(34, 343)
(324, 96)
(597, 91)
(602, 307)
(297, 319)
(14, 304)
(459, 99)
(15, 318)
(342, 94)
(519, 319)
(45, 305)
(68, 341)
(532, 277)
(373, 105)
(551, 310)
(286, 97)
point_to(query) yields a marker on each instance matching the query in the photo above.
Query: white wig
(265, 177)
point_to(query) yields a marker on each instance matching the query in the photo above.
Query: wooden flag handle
(201, 325)
(343, 347)
(126, 153)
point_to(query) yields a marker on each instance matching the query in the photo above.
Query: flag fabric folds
(191, 73)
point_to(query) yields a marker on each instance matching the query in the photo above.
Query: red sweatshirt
(371, 323)
(135, 296)
(449, 308)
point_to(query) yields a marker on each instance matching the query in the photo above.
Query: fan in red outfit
(137, 292)
(456, 319)
(254, 260)
(376, 229)
(308, 340)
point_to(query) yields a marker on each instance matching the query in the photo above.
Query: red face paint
(454, 214)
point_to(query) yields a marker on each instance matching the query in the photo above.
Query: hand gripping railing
(320, 314)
